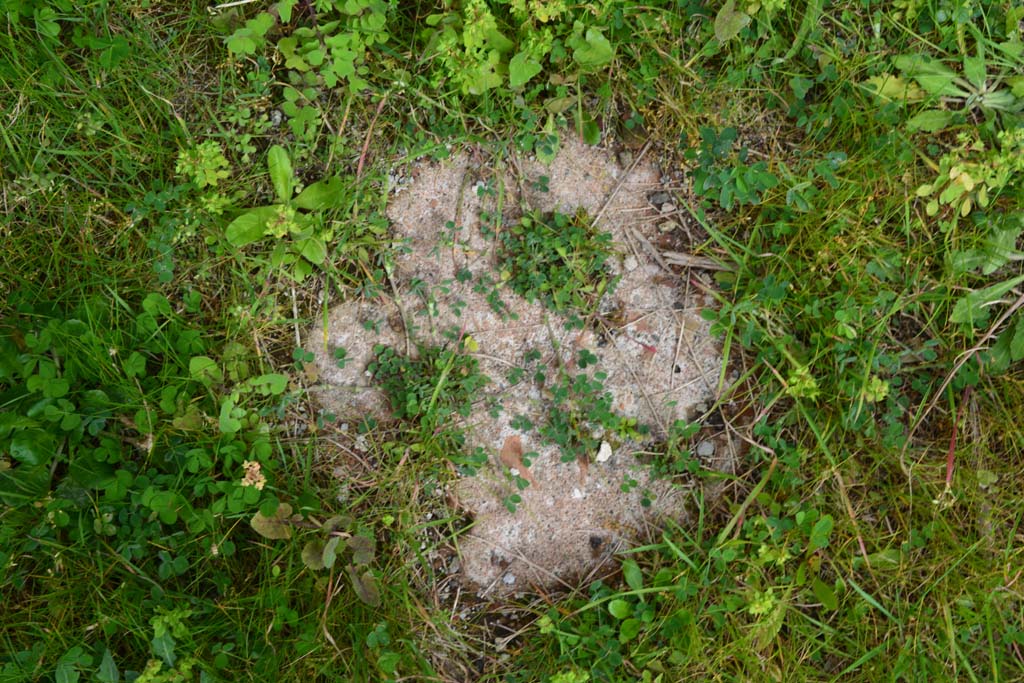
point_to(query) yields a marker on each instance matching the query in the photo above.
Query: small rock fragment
(604, 453)
(667, 207)
(667, 226)
(658, 198)
(705, 449)
(509, 579)
(629, 263)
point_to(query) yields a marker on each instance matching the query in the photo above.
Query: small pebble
(659, 198)
(667, 226)
(625, 158)
(705, 449)
(509, 579)
(630, 263)
(667, 207)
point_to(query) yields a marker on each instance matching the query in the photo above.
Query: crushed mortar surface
(659, 357)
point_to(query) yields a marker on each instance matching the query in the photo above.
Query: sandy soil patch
(658, 360)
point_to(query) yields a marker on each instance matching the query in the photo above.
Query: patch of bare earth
(660, 361)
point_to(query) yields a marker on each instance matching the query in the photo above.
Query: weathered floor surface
(660, 362)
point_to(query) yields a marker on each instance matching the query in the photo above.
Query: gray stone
(658, 198)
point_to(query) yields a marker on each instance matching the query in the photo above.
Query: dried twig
(961, 361)
(676, 258)
(369, 136)
(951, 455)
(622, 181)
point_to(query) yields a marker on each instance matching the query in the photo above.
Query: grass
(874, 531)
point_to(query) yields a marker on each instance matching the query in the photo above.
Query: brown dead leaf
(511, 456)
(584, 340)
(312, 372)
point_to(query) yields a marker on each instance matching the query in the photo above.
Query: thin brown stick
(622, 180)
(690, 261)
(369, 136)
(961, 361)
(951, 455)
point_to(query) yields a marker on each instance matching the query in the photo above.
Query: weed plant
(558, 260)
(430, 387)
(578, 414)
